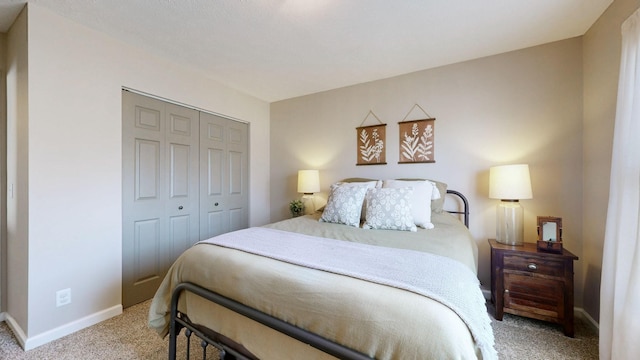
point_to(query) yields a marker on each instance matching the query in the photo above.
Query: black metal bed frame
(178, 321)
(465, 206)
(229, 350)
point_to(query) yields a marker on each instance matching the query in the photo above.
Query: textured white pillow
(344, 205)
(421, 199)
(368, 184)
(389, 209)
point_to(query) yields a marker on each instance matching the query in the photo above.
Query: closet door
(224, 175)
(160, 191)
(181, 207)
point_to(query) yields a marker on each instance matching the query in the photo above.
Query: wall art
(417, 141)
(371, 146)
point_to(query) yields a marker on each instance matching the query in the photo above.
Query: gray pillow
(344, 205)
(389, 209)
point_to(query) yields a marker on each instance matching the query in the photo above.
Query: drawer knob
(532, 267)
(506, 291)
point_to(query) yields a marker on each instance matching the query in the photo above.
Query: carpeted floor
(127, 337)
(522, 338)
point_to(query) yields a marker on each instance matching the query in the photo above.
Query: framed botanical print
(371, 146)
(417, 141)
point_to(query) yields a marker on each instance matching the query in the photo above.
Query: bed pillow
(423, 193)
(437, 200)
(437, 203)
(344, 205)
(369, 184)
(389, 209)
(362, 181)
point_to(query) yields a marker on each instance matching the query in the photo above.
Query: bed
(314, 288)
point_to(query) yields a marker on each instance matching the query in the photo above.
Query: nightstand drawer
(543, 297)
(534, 264)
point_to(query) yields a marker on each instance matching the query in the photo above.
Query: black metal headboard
(465, 211)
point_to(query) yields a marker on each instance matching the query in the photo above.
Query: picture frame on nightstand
(550, 234)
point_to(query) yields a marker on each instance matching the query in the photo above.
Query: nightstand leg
(568, 324)
(498, 283)
(568, 330)
(499, 312)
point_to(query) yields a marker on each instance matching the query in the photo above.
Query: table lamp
(308, 183)
(510, 183)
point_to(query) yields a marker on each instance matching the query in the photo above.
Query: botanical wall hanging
(417, 140)
(371, 143)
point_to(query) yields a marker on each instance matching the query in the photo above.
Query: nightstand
(534, 284)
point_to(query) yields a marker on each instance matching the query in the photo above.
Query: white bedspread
(454, 286)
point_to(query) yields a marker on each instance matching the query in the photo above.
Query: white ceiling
(278, 49)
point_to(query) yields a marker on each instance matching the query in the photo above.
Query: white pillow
(389, 209)
(423, 192)
(344, 205)
(370, 184)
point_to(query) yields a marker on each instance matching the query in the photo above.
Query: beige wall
(65, 159)
(17, 205)
(523, 106)
(602, 46)
(3, 174)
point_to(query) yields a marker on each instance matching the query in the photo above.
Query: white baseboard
(3, 316)
(585, 315)
(61, 331)
(16, 329)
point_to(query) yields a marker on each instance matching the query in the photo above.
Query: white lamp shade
(308, 181)
(510, 182)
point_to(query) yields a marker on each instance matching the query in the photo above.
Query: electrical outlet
(63, 297)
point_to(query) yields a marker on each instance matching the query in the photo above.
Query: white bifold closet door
(183, 181)
(224, 177)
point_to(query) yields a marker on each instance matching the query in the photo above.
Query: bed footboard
(231, 350)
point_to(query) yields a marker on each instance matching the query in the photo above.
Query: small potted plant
(296, 207)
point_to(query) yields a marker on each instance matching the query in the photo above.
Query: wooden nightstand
(534, 284)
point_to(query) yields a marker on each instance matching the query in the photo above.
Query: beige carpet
(124, 337)
(127, 337)
(522, 338)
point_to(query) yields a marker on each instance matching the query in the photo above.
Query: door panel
(148, 118)
(179, 184)
(143, 235)
(180, 125)
(224, 196)
(235, 173)
(213, 209)
(147, 168)
(215, 170)
(147, 267)
(237, 219)
(181, 204)
(238, 175)
(180, 234)
(214, 224)
(160, 187)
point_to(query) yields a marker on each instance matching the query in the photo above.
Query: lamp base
(308, 200)
(509, 223)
